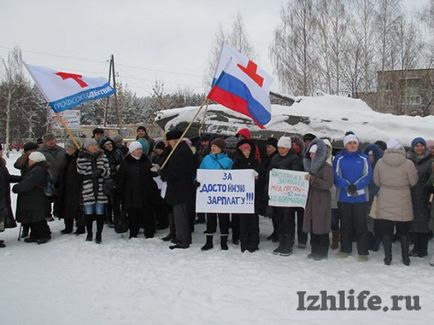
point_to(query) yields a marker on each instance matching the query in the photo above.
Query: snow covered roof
(326, 116)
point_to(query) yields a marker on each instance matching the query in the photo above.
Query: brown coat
(394, 174)
(317, 216)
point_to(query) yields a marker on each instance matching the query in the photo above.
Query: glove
(352, 189)
(196, 184)
(98, 172)
(155, 168)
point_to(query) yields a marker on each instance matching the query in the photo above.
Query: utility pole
(112, 74)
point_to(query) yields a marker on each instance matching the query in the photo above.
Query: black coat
(6, 214)
(137, 189)
(68, 189)
(241, 162)
(32, 204)
(179, 174)
(420, 194)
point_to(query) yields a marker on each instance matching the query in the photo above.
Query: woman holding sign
(249, 224)
(217, 159)
(317, 219)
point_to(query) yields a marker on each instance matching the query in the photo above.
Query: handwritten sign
(225, 191)
(288, 188)
(71, 118)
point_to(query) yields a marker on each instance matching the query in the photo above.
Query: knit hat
(88, 142)
(272, 142)
(381, 144)
(70, 144)
(284, 142)
(36, 157)
(231, 142)
(173, 134)
(313, 149)
(219, 142)
(134, 146)
(105, 140)
(48, 137)
(394, 144)
(118, 138)
(417, 141)
(350, 138)
(30, 146)
(205, 137)
(245, 133)
(430, 144)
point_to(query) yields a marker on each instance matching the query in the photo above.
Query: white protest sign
(71, 118)
(288, 188)
(225, 191)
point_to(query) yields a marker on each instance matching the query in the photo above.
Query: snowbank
(325, 115)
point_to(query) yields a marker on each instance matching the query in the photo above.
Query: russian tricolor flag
(240, 85)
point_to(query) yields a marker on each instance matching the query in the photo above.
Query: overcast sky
(168, 40)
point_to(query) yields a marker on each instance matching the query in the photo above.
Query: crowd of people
(373, 195)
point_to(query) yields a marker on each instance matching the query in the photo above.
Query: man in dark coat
(179, 174)
(68, 189)
(32, 204)
(137, 190)
(6, 215)
(421, 158)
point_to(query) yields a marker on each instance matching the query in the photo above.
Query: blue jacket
(352, 168)
(219, 161)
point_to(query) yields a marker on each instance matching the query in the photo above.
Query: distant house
(409, 92)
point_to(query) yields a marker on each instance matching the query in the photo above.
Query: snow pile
(141, 281)
(325, 115)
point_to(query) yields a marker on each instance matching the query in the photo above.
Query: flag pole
(205, 103)
(68, 131)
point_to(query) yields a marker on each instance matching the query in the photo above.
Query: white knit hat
(313, 149)
(36, 157)
(394, 144)
(134, 146)
(284, 142)
(350, 138)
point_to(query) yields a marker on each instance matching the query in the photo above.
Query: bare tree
(237, 38)
(292, 51)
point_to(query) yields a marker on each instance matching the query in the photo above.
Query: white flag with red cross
(65, 90)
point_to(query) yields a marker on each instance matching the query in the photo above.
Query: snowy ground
(122, 281)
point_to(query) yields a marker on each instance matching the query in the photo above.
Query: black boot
(404, 250)
(69, 225)
(208, 245)
(224, 242)
(25, 232)
(281, 244)
(80, 230)
(89, 225)
(169, 237)
(99, 227)
(387, 244)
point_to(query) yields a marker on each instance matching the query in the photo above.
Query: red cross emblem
(73, 76)
(250, 70)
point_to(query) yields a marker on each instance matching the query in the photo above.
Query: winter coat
(94, 169)
(68, 189)
(378, 154)
(6, 215)
(352, 168)
(318, 215)
(394, 174)
(22, 163)
(55, 159)
(179, 175)
(241, 162)
(219, 161)
(32, 204)
(420, 194)
(136, 187)
(115, 158)
(289, 162)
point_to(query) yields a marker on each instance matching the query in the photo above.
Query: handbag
(120, 221)
(109, 186)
